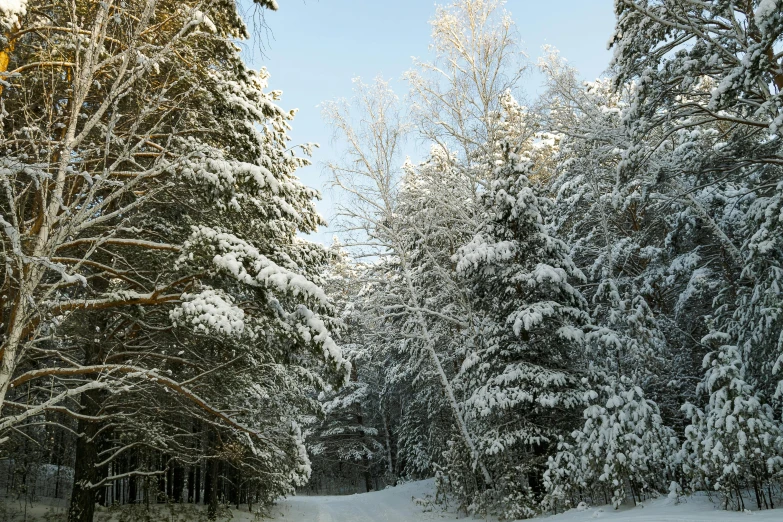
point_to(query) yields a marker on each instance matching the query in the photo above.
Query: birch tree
(455, 99)
(370, 179)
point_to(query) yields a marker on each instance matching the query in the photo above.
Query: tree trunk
(367, 477)
(212, 498)
(535, 476)
(191, 484)
(197, 486)
(85, 474)
(207, 481)
(447, 388)
(169, 479)
(389, 455)
(236, 488)
(161, 494)
(119, 467)
(102, 493)
(132, 481)
(178, 482)
(365, 460)
(59, 454)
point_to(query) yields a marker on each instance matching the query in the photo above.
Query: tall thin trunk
(119, 467)
(169, 479)
(389, 455)
(177, 482)
(367, 476)
(102, 493)
(756, 491)
(197, 485)
(162, 466)
(360, 422)
(82, 506)
(191, 484)
(133, 482)
(769, 494)
(447, 388)
(236, 488)
(212, 498)
(59, 456)
(208, 483)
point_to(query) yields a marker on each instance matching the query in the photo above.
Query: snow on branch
(247, 265)
(211, 310)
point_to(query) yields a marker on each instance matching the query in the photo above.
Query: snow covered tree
(348, 434)
(456, 98)
(375, 215)
(417, 218)
(709, 75)
(736, 442)
(523, 382)
(623, 448)
(91, 192)
(545, 289)
(351, 440)
(706, 61)
(158, 299)
(617, 233)
(708, 84)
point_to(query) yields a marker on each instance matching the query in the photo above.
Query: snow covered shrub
(735, 443)
(457, 480)
(623, 449)
(516, 497)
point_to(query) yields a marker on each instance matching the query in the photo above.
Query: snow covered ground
(413, 502)
(697, 508)
(399, 505)
(406, 503)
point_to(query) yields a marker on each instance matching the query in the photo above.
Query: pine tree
(178, 319)
(522, 382)
(622, 449)
(736, 442)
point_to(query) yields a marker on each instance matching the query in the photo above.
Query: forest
(570, 298)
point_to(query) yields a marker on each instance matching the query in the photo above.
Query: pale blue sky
(315, 48)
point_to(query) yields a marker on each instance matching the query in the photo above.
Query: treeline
(576, 299)
(163, 326)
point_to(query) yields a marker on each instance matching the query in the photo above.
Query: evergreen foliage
(570, 302)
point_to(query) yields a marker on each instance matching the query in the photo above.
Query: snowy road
(391, 505)
(398, 505)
